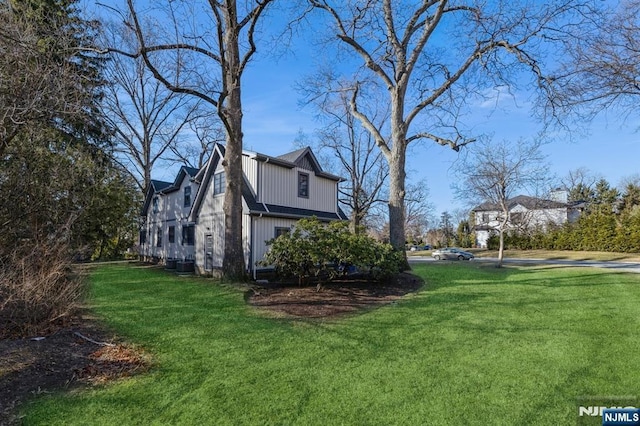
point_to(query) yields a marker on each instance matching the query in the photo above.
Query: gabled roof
(255, 207)
(183, 173)
(163, 187)
(302, 158)
(530, 203)
(159, 185)
(203, 177)
(155, 187)
(294, 156)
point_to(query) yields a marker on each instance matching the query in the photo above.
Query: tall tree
(46, 78)
(206, 58)
(630, 199)
(446, 227)
(62, 194)
(147, 119)
(207, 131)
(356, 155)
(429, 56)
(494, 172)
(418, 210)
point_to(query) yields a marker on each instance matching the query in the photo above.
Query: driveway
(618, 266)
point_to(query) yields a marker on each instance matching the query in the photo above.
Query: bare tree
(494, 172)
(600, 69)
(430, 57)
(357, 158)
(204, 52)
(418, 210)
(147, 119)
(195, 152)
(581, 184)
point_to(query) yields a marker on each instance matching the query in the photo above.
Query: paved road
(619, 266)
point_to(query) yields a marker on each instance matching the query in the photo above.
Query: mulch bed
(332, 299)
(82, 352)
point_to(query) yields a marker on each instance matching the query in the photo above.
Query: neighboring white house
(524, 213)
(184, 220)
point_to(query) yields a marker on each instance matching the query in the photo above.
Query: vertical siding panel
(281, 188)
(250, 169)
(265, 231)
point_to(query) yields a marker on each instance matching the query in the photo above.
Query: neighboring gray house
(184, 220)
(525, 213)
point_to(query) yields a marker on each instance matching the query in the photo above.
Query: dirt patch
(79, 354)
(335, 298)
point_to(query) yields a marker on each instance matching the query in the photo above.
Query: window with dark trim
(516, 218)
(303, 185)
(156, 204)
(187, 196)
(143, 236)
(281, 230)
(172, 234)
(219, 183)
(159, 237)
(188, 235)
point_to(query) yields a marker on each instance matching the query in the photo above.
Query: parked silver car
(451, 253)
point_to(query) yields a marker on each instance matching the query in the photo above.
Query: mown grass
(602, 256)
(477, 345)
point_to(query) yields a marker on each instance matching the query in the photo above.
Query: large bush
(38, 288)
(321, 252)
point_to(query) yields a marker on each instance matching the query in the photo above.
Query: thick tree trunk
(233, 266)
(397, 158)
(397, 176)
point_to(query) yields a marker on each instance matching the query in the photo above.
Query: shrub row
(595, 231)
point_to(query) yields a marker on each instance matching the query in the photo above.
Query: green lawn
(547, 254)
(478, 345)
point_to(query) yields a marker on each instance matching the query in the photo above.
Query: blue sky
(609, 146)
(273, 118)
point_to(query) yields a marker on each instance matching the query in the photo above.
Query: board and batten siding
(279, 185)
(264, 229)
(210, 223)
(250, 170)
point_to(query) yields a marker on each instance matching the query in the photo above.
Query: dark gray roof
(293, 156)
(159, 185)
(191, 171)
(531, 203)
(183, 173)
(293, 212)
(155, 186)
(303, 158)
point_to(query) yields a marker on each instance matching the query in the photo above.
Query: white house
(184, 220)
(524, 213)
